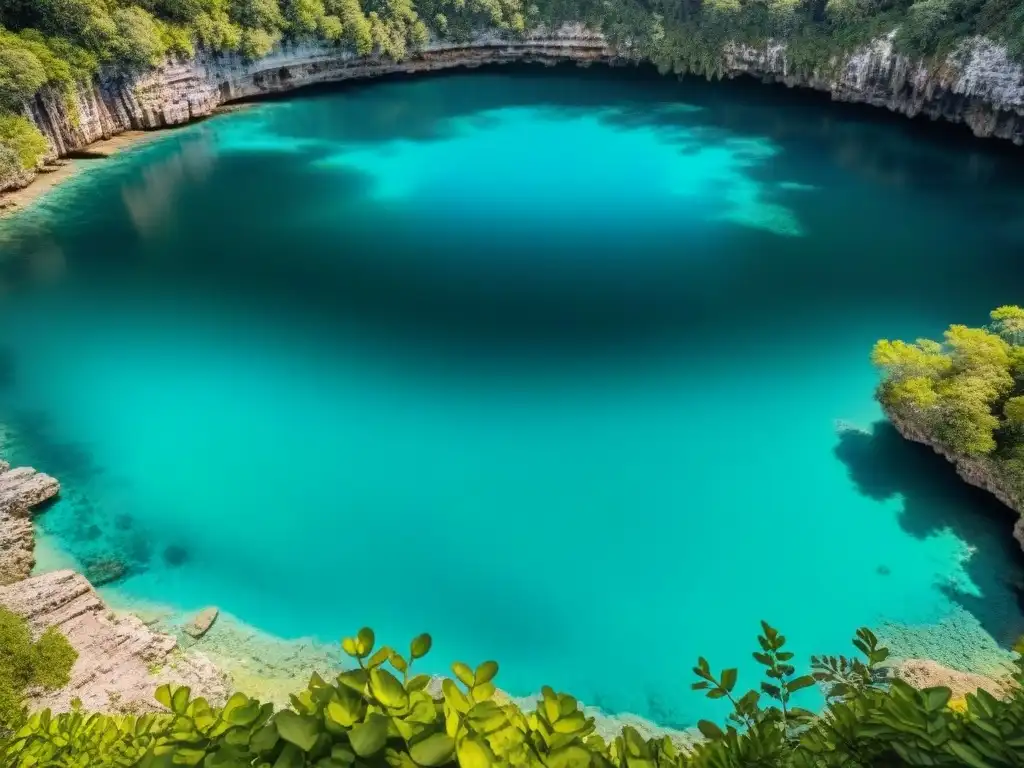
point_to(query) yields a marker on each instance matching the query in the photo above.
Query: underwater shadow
(883, 465)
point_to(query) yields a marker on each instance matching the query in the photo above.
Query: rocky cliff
(121, 661)
(978, 471)
(184, 90)
(978, 85)
(21, 491)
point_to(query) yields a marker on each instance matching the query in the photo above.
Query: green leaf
(350, 647)
(368, 738)
(382, 655)
(163, 695)
(418, 683)
(420, 646)
(435, 749)
(729, 679)
(265, 739)
(290, 757)
(936, 698)
(364, 641)
(398, 662)
(387, 689)
(456, 699)
(463, 673)
(710, 730)
(355, 679)
(806, 681)
(179, 701)
(344, 709)
(485, 672)
(342, 754)
(968, 755)
(297, 729)
(473, 752)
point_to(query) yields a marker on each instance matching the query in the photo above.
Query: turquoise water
(551, 364)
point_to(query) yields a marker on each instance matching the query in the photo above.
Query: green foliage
(22, 146)
(379, 715)
(964, 393)
(46, 662)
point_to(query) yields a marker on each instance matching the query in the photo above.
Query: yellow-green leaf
(473, 752)
(464, 673)
(368, 738)
(455, 698)
(387, 689)
(421, 646)
(485, 672)
(435, 749)
(296, 729)
(163, 695)
(364, 641)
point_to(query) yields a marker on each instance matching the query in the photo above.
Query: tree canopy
(966, 392)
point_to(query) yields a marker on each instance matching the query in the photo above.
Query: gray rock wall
(978, 85)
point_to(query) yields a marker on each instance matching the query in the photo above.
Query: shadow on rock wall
(883, 466)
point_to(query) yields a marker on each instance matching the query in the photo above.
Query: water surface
(552, 364)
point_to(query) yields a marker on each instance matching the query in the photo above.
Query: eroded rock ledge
(21, 491)
(120, 662)
(978, 85)
(975, 470)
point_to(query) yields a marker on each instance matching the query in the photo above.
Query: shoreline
(55, 173)
(128, 647)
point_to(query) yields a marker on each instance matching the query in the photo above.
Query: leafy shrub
(46, 662)
(26, 144)
(956, 391)
(380, 714)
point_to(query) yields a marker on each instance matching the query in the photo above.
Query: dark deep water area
(568, 367)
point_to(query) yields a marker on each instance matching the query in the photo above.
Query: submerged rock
(120, 662)
(104, 570)
(202, 622)
(21, 490)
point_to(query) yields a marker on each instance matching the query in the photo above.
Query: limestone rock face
(21, 490)
(975, 470)
(184, 89)
(978, 84)
(120, 662)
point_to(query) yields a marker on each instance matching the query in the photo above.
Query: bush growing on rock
(23, 664)
(381, 714)
(966, 393)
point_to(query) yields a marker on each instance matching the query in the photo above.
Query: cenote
(569, 368)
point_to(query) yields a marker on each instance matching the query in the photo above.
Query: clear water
(547, 363)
